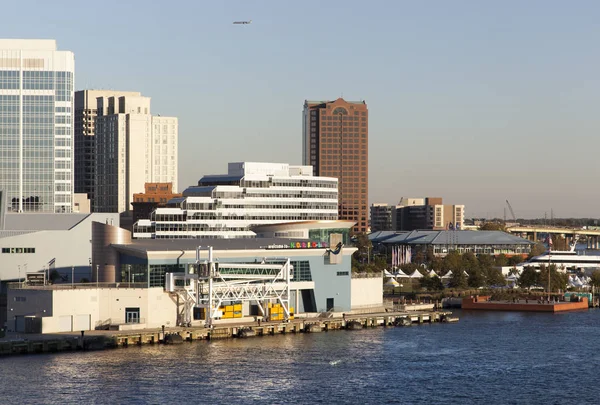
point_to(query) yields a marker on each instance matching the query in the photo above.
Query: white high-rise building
(36, 125)
(132, 148)
(86, 111)
(250, 194)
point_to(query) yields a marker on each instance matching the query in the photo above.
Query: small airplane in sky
(243, 22)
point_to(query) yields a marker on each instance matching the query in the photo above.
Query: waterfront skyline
(477, 103)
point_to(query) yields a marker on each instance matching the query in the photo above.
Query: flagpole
(549, 256)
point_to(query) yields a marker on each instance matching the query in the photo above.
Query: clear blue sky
(476, 102)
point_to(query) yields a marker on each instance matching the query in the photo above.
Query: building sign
(300, 245)
(36, 278)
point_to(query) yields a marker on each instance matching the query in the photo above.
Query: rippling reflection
(485, 358)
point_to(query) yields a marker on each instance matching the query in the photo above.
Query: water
(491, 358)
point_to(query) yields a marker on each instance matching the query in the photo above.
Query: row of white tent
(582, 281)
(417, 274)
(574, 280)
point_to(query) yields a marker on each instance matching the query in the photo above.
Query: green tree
(469, 262)
(363, 244)
(486, 262)
(453, 261)
(514, 260)
(458, 279)
(528, 278)
(432, 283)
(476, 278)
(536, 250)
(558, 280)
(494, 277)
(595, 282)
(492, 226)
(501, 260)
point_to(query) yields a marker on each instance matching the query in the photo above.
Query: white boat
(565, 259)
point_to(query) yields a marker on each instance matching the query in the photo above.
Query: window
(342, 273)
(18, 250)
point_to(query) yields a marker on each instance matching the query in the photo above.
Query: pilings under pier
(100, 340)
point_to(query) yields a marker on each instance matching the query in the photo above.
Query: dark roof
(216, 179)
(428, 237)
(199, 191)
(154, 245)
(176, 200)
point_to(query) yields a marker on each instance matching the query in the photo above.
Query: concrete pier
(102, 339)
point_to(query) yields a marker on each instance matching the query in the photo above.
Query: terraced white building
(250, 194)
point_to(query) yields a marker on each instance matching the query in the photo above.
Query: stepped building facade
(250, 194)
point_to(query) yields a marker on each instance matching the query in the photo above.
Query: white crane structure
(216, 283)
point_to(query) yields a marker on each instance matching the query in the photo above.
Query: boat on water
(565, 260)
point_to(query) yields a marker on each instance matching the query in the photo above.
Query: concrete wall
(86, 308)
(329, 285)
(367, 291)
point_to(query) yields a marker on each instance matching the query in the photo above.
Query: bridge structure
(533, 233)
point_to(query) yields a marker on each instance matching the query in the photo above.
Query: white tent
(416, 274)
(400, 273)
(448, 275)
(387, 273)
(392, 283)
(432, 274)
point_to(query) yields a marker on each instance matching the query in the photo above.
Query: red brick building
(336, 144)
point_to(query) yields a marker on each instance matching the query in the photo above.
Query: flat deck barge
(523, 305)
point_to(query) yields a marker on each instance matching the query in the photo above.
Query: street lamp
(97, 266)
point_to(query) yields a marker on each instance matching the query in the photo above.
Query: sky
(475, 102)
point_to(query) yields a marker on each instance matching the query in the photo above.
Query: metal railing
(376, 274)
(74, 286)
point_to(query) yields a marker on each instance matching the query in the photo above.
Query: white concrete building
(86, 112)
(228, 206)
(40, 242)
(85, 307)
(36, 125)
(132, 148)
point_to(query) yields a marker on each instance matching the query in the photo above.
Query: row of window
(18, 250)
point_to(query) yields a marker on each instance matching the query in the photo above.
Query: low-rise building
(155, 195)
(131, 288)
(406, 245)
(381, 217)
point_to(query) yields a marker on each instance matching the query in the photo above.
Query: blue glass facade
(36, 131)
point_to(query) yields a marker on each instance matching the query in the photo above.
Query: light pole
(72, 276)
(97, 266)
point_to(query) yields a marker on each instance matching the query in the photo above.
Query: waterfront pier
(107, 339)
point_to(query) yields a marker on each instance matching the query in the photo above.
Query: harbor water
(487, 357)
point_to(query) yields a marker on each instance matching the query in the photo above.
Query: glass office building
(36, 126)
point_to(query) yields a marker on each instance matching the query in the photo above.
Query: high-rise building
(36, 125)
(250, 194)
(336, 144)
(86, 111)
(132, 148)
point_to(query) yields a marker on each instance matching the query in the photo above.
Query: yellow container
(228, 308)
(237, 307)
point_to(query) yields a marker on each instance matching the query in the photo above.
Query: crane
(511, 211)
